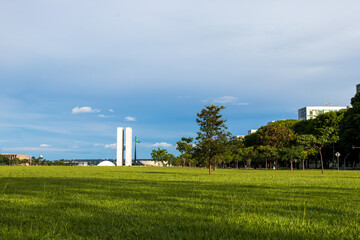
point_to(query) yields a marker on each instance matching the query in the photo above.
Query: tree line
(280, 144)
(33, 161)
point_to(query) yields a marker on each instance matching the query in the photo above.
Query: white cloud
(240, 103)
(225, 100)
(10, 149)
(77, 110)
(44, 145)
(111, 110)
(130, 119)
(162, 145)
(111, 146)
(102, 116)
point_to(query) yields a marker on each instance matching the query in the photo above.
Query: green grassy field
(177, 203)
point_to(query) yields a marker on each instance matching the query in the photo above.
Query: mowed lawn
(177, 203)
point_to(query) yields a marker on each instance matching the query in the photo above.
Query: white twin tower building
(121, 146)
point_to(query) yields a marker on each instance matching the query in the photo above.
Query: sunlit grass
(177, 203)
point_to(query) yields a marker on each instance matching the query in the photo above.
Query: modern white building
(106, 164)
(252, 131)
(120, 147)
(312, 112)
(128, 147)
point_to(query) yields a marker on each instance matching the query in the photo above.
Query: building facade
(252, 131)
(13, 156)
(307, 113)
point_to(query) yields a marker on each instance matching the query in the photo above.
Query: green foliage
(288, 123)
(4, 160)
(212, 135)
(235, 148)
(162, 155)
(267, 153)
(214, 146)
(292, 154)
(185, 147)
(304, 127)
(252, 139)
(350, 125)
(276, 136)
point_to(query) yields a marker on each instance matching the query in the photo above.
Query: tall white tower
(128, 147)
(120, 146)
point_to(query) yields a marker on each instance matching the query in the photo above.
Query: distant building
(94, 162)
(307, 113)
(251, 131)
(18, 156)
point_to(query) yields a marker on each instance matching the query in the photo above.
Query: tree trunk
(303, 164)
(291, 166)
(321, 159)
(277, 164)
(237, 163)
(271, 165)
(209, 166)
(266, 164)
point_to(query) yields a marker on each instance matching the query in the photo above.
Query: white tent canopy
(106, 164)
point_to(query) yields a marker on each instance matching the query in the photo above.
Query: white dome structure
(106, 164)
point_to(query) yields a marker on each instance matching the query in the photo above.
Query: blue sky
(73, 71)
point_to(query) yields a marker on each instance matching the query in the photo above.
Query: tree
(186, 149)
(292, 153)
(161, 155)
(212, 135)
(15, 161)
(267, 153)
(350, 126)
(326, 131)
(249, 155)
(236, 148)
(276, 136)
(306, 142)
(4, 160)
(328, 136)
(288, 123)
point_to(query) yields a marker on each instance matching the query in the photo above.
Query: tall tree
(249, 155)
(212, 134)
(267, 153)
(185, 147)
(292, 153)
(326, 131)
(276, 136)
(236, 147)
(327, 137)
(306, 142)
(350, 125)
